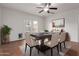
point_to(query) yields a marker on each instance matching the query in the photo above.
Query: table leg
(42, 42)
(30, 50)
(51, 51)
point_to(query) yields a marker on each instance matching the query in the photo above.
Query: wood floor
(12, 49)
(15, 49)
(74, 50)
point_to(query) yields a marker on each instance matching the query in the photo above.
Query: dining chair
(30, 42)
(53, 42)
(62, 38)
(46, 40)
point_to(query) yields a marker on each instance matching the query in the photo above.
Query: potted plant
(5, 32)
(46, 31)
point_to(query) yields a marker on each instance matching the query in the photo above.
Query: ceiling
(31, 7)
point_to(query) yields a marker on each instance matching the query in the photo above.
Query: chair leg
(25, 48)
(44, 52)
(51, 51)
(38, 51)
(64, 45)
(58, 49)
(30, 50)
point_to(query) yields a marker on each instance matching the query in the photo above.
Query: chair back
(27, 35)
(62, 37)
(29, 40)
(54, 40)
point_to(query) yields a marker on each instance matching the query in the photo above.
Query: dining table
(42, 36)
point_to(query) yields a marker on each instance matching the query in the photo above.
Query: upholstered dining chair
(53, 42)
(62, 38)
(46, 40)
(30, 42)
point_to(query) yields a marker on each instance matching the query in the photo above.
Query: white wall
(0, 22)
(0, 17)
(71, 23)
(0, 26)
(15, 20)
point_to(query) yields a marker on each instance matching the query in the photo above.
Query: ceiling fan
(46, 7)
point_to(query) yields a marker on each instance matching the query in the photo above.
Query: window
(35, 26)
(28, 25)
(31, 26)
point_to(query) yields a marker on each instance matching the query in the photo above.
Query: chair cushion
(54, 40)
(31, 42)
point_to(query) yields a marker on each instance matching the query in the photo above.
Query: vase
(5, 39)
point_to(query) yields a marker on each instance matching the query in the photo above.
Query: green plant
(5, 30)
(46, 30)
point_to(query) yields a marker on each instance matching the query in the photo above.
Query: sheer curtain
(35, 26)
(31, 26)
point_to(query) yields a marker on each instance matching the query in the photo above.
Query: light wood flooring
(17, 48)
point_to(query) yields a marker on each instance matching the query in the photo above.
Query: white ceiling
(31, 7)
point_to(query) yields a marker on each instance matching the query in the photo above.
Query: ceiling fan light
(45, 9)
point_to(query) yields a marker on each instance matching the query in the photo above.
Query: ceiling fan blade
(53, 8)
(41, 11)
(50, 12)
(39, 7)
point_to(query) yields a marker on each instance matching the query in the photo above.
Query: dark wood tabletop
(41, 36)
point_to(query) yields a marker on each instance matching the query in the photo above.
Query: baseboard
(17, 40)
(14, 41)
